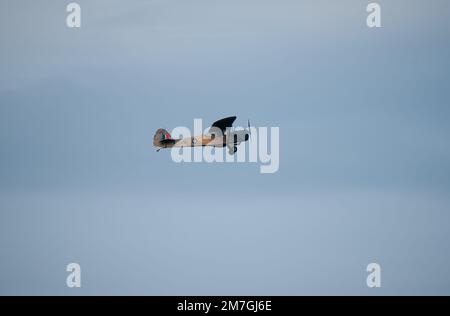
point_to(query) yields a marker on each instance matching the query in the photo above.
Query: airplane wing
(224, 123)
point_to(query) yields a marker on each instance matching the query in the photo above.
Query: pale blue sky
(364, 163)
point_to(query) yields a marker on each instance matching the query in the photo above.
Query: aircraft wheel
(234, 149)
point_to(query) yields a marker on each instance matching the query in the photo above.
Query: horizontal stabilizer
(167, 141)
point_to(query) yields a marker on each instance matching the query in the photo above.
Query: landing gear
(232, 150)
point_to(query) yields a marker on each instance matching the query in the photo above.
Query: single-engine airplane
(219, 134)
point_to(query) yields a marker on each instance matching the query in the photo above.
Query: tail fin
(162, 138)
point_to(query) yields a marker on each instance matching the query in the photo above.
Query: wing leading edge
(224, 123)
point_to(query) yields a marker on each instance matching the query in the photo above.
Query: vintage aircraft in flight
(219, 134)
